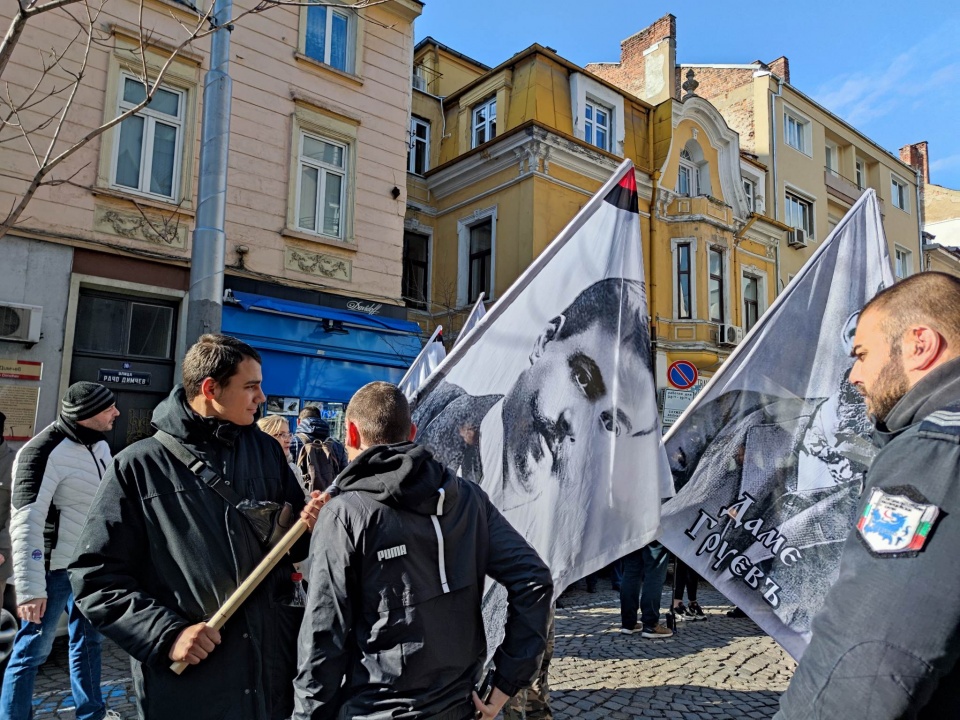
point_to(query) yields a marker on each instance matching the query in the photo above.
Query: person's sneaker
(736, 613)
(695, 612)
(657, 632)
(680, 612)
(627, 631)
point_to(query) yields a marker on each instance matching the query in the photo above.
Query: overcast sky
(890, 69)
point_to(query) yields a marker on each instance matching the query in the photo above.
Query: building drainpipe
(773, 165)
(920, 221)
(205, 306)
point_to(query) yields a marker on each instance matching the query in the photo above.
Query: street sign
(682, 374)
(674, 403)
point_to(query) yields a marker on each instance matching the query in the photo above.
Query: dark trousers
(646, 568)
(687, 580)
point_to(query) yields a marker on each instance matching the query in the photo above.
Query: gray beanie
(83, 400)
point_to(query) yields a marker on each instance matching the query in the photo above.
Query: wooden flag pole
(233, 602)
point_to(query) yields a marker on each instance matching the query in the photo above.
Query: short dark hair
(614, 304)
(929, 298)
(311, 411)
(381, 413)
(215, 357)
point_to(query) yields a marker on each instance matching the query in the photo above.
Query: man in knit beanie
(55, 477)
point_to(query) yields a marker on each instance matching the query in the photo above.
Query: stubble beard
(891, 385)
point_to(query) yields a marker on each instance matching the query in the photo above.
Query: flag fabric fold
(429, 359)
(769, 459)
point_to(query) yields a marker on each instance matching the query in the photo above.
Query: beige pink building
(94, 277)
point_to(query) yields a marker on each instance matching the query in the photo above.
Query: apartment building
(94, 279)
(817, 165)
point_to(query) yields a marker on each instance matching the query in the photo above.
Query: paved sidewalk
(720, 669)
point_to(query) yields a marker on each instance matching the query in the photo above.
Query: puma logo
(391, 553)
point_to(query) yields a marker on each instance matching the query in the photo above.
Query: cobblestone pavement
(720, 669)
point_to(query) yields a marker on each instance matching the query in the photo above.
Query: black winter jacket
(886, 644)
(161, 551)
(393, 626)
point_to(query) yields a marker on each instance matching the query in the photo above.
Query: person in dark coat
(161, 551)
(393, 626)
(886, 643)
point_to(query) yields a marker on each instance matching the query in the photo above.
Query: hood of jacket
(403, 475)
(939, 388)
(315, 428)
(175, 416)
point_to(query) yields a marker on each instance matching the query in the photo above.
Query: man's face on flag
(581, 397)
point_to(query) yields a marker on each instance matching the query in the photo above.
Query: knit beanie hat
(83, 400)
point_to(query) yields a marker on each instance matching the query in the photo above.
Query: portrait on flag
(769, 460)
(550, 404)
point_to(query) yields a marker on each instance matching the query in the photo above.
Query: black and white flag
(770, 458)
(549, 403)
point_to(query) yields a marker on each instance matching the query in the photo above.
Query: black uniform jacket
(393, 626)
(161, 551)
(886, 643)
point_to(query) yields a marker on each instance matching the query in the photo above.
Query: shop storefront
(319, 355)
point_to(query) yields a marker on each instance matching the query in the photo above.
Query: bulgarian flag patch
(895, 523)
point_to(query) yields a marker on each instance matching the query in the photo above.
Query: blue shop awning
(250, 301)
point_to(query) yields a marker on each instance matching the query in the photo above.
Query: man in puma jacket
(399, 557)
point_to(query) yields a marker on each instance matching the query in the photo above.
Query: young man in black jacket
(162, 550)
(398, 565)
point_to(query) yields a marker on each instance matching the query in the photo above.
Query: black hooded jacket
(886, 644)
(161, 551)
(393, 626)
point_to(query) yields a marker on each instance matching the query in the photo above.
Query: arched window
(693, 178)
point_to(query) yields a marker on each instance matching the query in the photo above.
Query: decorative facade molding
(145, 227)
(312, 263)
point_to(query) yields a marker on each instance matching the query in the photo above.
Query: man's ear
(548, 334)
(922, 348)
(413, 432)
(353, 436)
(209, 388)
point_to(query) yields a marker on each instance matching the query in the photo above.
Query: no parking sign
(682, 374)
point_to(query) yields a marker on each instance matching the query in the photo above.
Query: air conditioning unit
(797, 238)
(20, 323)
(731, 334)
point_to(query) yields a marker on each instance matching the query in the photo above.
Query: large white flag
(770, 458)
(429, 359)
(549, 403)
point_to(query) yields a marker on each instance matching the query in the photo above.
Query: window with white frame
(484, 121)
(479, 260)
(597, 120)
(330, 36)
(861, 170)
(832, 158)
(684, 273)
(799, 213)
(418, 155)
(322, 185)
(688, 178)
(751, 301)
(715, 284)
(750, 190)
(903, 263)
(149, 145)
(796, 132)
(899, 193)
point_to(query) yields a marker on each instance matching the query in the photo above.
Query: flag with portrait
(769, 459)
(549, 402)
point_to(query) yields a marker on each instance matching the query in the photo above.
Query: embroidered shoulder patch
(895, 523)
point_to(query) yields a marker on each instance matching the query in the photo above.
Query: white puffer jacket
(55, 477)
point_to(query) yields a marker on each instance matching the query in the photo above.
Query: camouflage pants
(533, 702)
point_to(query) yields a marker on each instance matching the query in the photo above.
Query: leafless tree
(34, 116)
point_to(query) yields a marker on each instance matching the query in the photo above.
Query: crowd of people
(146, 546)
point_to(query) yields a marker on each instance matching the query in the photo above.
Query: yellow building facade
(518, 149)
